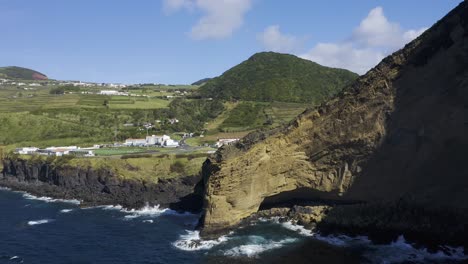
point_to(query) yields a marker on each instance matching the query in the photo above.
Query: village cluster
(164, 141)
(153, 140)
(58, 151)
(62, 83)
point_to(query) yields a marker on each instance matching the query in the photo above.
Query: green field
(15, 100)
(35, 117)
(253, 115)
(120, 151)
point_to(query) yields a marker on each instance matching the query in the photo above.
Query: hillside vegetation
(14, 72)
(202, 81)
(270, 76)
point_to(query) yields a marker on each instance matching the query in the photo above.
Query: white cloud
(273, 40)
(412, 34)
(344, 55)
(220, 17)
(369, 43)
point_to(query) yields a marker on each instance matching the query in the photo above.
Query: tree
(58, 90)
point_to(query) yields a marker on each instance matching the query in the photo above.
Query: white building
(226, 141)
(171, 143)
(80, 152)
(109, 92)
(157, 140)
(135, 142)
(25, 151)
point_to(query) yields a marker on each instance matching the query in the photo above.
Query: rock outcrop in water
(400, 132)
(98, 186)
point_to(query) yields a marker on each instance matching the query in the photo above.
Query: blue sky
(181, 41)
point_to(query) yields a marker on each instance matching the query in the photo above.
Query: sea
(45, 230)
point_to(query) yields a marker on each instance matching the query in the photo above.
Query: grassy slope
(269, 76)
(36, 117)
(241, 118)
(149, 168)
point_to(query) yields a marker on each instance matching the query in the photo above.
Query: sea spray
(146, 211)
(257, 245)
(191, 241)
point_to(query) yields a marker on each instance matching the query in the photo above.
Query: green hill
(202, 81)
(270, 76)
(13, 72)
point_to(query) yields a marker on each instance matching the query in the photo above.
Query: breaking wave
(257, 245)
(11, 259)
(49, 199)
(146, 211)
(399, 251)
(191, 241)
(289, 225)
(40, 222)
(66, 210)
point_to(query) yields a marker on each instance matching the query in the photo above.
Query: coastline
(382, 223)
(100, 187)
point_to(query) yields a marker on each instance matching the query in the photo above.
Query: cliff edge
(398, 132)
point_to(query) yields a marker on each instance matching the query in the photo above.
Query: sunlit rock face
(400, 131)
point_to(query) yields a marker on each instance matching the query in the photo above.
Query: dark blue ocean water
(42, 230)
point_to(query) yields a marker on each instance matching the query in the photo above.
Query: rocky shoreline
(99, 187)
(382, 223)
(433, 229)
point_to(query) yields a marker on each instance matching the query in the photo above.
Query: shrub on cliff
(177, 167)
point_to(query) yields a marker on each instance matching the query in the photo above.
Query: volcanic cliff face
(98, 186)
(400, 131)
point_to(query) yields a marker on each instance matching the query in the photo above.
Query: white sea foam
(66, 210)
(110, 207)
(343, 240)
(289, 225)
(49, 199)
(148, 221)
(4, 188)
(401, 251)
(192, 241)
(147, 211)
(39, 222)
(298, 228)
(257, 245)
(395, 252)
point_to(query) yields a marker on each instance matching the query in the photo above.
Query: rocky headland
(98, 186)
(389, 152)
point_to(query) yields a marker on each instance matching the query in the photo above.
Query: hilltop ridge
(14, 72)
(270, 76)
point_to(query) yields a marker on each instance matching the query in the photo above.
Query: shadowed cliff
(99, 186)
(399, 132)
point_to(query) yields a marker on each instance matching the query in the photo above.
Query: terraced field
(252, 115)
(13, 99)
